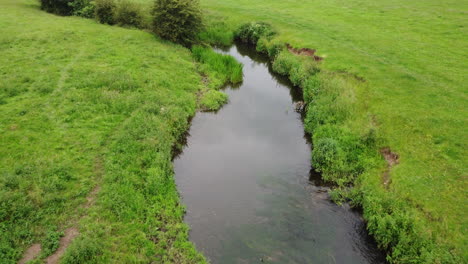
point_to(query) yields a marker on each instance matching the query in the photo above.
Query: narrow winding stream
(245, 177)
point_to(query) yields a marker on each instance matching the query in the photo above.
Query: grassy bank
(392, 76)
(90, 116)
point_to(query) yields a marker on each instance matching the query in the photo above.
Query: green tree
(179, 21)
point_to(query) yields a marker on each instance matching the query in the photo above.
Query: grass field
(91, 107)
(413, 57)
(90, 115)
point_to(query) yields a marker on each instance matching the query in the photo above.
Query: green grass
(413, 58)
(85, 105)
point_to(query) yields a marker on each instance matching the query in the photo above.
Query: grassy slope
(85, 105)
(414, 58)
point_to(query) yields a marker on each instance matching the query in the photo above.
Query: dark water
(245, 177)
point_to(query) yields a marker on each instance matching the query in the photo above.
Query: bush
(251, 32)
(298, 69)
(82, 8)
(59, 7)
(337, 154)
(179, 21)
(129, 14)
(105, 11)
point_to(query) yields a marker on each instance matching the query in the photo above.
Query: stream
(245, 176)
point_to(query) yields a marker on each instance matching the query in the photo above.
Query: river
(245, 176)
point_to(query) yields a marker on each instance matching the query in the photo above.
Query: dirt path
(31, 253)
(65, 241)
(72, 232)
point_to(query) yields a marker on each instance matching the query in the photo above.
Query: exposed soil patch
(299, 106)
(392, 160)
(31, 253)
(70, 233)
(304, 52)
(92, 196)
(65, 241)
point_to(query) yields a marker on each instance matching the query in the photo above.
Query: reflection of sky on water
(244, 176)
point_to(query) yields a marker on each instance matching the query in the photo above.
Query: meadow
(90, 117)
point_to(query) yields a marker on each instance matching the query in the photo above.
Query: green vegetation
(92, 107)
(86, 105)
(217, 67)
(105, 11)
(212, 100)
(179, 21)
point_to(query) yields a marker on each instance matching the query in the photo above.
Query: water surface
(245, 177)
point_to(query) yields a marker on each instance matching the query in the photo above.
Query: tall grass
(225, 67)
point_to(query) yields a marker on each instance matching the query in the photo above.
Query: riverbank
(91, 116)
(247, 200)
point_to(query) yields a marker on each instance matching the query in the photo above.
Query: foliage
(297, 68)
(271, 47)
(105, 11)
(252, 32)
(129, 13)
(223, 69)
(51, 241)
(83, 251)
(178, 21)
(216, 34)
(83, 8)
(213, 100)
(59, 7)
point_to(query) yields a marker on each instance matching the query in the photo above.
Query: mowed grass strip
(86, 105)
(413, 58)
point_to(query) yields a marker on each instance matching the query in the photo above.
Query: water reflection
(246, 178)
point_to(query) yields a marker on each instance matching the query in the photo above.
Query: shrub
(285, 62)
(129, 14)
(179, 21)
(337, 154)
(59, 7)
(82, 8)
(105, 11)
(251, 32)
